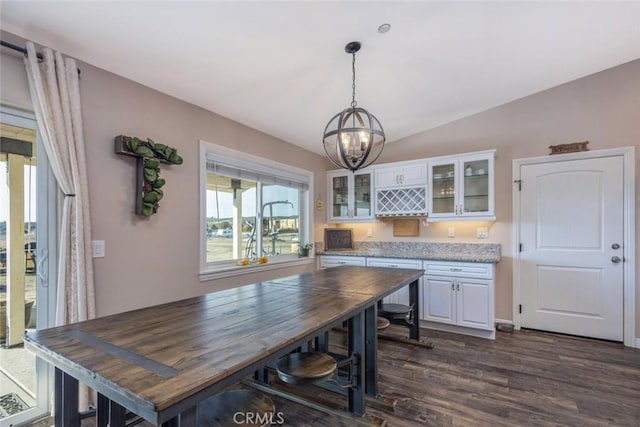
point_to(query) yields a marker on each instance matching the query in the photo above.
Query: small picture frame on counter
(338, 239)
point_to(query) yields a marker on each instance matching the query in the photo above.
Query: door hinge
(520, 308)
(520, 247)
(519, 182)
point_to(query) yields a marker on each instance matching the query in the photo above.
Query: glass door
(340, 196)
(27, 209)
(362, 195)
(443, 189)
(476, 186)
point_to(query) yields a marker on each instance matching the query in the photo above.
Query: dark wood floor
(525, 378)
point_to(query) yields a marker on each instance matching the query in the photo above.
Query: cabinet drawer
(459, 269)
(395, 263)
(336, 261)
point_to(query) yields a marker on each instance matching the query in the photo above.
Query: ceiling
(280, 67)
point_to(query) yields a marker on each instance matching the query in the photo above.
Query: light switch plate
(97, 248)
(482, 233)
(451, 232)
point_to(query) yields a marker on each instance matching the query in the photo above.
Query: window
(252, 209)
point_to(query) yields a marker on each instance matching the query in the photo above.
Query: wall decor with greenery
(149, 155)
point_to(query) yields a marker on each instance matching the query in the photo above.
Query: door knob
(615, 259)
(615, 246)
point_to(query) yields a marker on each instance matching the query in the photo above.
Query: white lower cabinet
(453, 298)
(400, 296)
(328, 261)
(455, 295)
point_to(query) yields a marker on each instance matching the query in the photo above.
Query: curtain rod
(18, 48)
(23, 51)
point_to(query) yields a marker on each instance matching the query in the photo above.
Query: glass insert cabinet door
(362, 195)
(443, 180)
(340, 191)
(476, 186)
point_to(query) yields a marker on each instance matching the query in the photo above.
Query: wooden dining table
(159, 362)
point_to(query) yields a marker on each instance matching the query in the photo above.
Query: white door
(571, 231)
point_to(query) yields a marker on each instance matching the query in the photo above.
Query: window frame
(242, 160)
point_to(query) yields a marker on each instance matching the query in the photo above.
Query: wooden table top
(175, 354)
(359, 280)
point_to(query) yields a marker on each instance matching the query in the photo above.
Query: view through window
(234, 229)
(253, 211)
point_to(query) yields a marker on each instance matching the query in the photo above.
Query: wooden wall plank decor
(572, 147)
(406, 227)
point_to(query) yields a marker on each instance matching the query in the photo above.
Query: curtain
(55, 92)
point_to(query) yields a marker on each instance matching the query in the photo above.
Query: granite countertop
(465, 252)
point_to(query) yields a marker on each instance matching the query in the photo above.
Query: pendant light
(353, 138)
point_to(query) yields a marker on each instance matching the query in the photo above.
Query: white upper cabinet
(401, 189)
(402, 175)
(349, 196)
(459, 187)
(462, 187)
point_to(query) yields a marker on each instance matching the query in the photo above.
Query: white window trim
(244, 160)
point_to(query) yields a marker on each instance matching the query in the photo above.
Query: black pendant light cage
(354, 138)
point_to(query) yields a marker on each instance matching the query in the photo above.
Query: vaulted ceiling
(280, 67)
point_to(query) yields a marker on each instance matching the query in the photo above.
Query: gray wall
(156, 260)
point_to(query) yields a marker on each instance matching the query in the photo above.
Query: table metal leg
(66, 400)
(117, 415)
(322, 342)
(188, 418)
(102, 411)
(414, 301)
(173, 422)
(356, 351)
(262, 376)
(371, 351)
(110, 413)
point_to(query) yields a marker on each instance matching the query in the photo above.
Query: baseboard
(637, 345)
(508, 322)
(480, 333)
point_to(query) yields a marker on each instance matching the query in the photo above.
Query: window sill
(240, 270)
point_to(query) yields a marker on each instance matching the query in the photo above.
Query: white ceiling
(280, 67)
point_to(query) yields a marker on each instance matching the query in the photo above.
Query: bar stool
(382, 323)
(236, 408)
(306, 367)
(396, 312)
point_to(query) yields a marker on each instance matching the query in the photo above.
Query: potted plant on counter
(303, 250)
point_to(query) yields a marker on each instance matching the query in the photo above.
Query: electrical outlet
(482, 233)
(97, 248)
(369, 232)
(451, 232)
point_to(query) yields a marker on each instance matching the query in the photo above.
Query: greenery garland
(152, 154)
